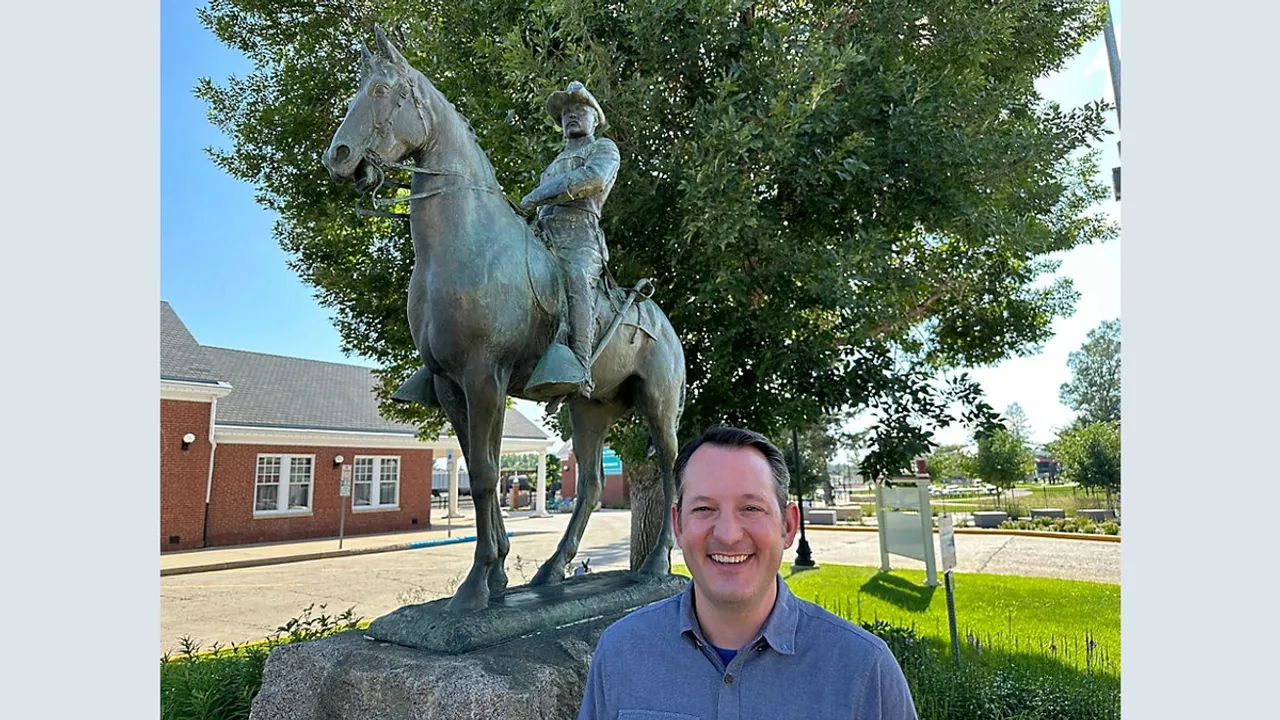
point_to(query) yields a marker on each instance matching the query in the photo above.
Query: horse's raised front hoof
(657, 564)
(550, 573)
(472, 596)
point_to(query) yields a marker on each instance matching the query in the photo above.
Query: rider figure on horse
(569, 198)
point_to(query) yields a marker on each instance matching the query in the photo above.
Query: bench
(848, 514)
(1048, 513)
(1096, 515)
(822, 517)
(989, 518)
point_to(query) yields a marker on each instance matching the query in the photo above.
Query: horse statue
(484, 309)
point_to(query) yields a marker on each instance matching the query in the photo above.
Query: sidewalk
(241, 556)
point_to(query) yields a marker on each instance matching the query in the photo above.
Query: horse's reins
(376, 133)
(378, 130)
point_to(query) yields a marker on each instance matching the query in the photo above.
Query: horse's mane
(437, 101)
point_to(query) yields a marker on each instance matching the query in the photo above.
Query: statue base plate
(522, 611)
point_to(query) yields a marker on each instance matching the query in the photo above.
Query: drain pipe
(208, 488)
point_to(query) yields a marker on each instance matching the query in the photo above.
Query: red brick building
(252, 448)
(617, 486)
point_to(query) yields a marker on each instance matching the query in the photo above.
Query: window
(283, 484)
(376, 483)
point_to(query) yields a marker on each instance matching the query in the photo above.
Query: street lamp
(804, 556)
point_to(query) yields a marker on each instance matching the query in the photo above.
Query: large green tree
(838, 201)
(1094, 389)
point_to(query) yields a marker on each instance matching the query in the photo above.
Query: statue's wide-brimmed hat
(575, 93)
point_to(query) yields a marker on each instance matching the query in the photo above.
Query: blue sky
(226, 277)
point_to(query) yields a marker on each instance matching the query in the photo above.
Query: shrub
(220, 683)
(997, 683)
(1110, 528)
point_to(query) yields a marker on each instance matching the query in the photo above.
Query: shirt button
(728, 679)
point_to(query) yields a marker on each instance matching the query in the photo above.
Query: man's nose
(727, 528)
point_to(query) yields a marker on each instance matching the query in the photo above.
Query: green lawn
(1004, 612)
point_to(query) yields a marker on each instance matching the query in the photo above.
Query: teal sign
(612, 463)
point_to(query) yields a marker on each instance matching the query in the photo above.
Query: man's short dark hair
(736, 437)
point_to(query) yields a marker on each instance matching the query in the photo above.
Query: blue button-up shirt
(655, 664)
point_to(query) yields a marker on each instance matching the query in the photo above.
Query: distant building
(1047, 468)
(252, 448)
(617, 481)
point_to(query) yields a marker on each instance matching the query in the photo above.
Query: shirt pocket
(655, 715)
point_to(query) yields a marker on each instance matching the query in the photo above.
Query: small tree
(1090, 456)
(1002, 459)
(945, 463)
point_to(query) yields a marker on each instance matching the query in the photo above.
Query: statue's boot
(419, 388)
(558, 373)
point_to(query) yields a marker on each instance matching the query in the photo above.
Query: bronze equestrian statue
(487, 301)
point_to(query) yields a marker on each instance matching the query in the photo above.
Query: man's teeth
(730, 559)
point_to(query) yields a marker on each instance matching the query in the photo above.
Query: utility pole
(1113, 60)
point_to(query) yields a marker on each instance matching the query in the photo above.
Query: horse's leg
(498, 571)
(591, 421)
(659, 403)
(485, 402)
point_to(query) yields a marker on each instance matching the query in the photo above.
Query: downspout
(208, 488)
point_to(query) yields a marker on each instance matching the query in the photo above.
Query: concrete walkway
(245, 593)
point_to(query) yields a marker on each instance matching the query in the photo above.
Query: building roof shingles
(286, 392)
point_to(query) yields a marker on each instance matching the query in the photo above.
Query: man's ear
(675, 522)
(790, 524)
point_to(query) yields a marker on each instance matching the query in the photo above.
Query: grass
(1058, 618)
(1034, 649)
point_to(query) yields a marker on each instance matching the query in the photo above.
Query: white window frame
(283, 485)
(375, 483)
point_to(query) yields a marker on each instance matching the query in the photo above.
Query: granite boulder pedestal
(525, 657)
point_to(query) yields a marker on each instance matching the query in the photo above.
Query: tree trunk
(646, 510)
(829, 491)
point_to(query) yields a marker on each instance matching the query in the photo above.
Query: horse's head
(386, 120)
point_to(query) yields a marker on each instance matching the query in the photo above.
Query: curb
(260, 562)
(983, 531)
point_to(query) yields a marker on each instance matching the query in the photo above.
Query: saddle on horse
(559, 373)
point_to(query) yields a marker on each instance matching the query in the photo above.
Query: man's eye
(752, 508)
(702, 508)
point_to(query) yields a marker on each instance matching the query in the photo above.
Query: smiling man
(736, 643)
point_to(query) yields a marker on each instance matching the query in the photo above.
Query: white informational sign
(947, 540)
(905, 524)
(344, 488)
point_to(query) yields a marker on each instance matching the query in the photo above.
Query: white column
(540, 502)
(453, 486)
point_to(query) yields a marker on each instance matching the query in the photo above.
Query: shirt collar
(779, 628)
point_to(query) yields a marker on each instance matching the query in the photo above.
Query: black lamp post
(804, 556)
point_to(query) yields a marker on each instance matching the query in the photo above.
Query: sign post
(344, 491)
(453, 492)
(947, 540)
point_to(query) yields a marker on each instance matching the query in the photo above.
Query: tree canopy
(1094, 389)
(838, 202)
(1002, 459)
(1090, 456)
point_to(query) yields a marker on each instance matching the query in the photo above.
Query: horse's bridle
(378, 133)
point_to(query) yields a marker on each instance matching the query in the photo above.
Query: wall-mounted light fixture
(187, 440)
(337, 460)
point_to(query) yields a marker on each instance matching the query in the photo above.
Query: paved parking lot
(250, 603)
